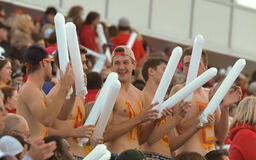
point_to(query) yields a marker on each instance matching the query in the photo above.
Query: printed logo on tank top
(207, 142)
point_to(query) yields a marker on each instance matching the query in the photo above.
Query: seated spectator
(242, 134)
(62, 151)
(17, 79)
(252, 89)
(4, 46)
(16, 125)
(217, 155)
(21, 36)
(10, 99)
(48, 17)
(131, 154)
(189, 156)
(5, 71)
(10, 145)
(94, 83)
(3, 113)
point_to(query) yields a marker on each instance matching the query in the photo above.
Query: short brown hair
(189, 156)
(56, 58)
(188, 52)
(8, 92)
(151, 63)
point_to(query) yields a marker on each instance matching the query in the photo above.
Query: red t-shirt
(91, 95)
(88, 38)
(138, 50)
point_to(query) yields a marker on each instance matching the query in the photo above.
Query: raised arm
(47, 108)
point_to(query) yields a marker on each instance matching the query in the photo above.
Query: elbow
(107, 136)
(48, 123)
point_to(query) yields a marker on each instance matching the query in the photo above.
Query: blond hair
(23, 23)
(246, 112)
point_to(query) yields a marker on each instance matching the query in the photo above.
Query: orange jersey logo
(131, 114)
(164, 139)
(78, 119)
(206, 142)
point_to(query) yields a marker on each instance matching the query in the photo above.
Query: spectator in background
(4, 46)
(217, 155)
(242, 134)
(88, 36)
(123, 37)
(62, 152)
(5, 71)
(2, 14)
(47, 21)
(17, 79)
(21, 37)
(75, 15)
(189, 156)
(48, 17)
(252, 89)
(10, 99)
(3, 113)
(16, 125)
(94, 83)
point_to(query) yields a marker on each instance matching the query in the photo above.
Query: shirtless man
(75, 120)
(160, 141)
(38, 109)
(123, 126)
(204, 140)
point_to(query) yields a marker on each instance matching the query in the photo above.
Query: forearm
(64, 132)
(145, 131)
(163, 129)
(176, 141)
(114, 131)
(67, 107)
(55, 102)
(222, 125)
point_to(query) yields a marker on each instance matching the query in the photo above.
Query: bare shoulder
(176, 88)
(28, 91)
(138, 93)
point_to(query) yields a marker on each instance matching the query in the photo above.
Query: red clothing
(138, 50)
(91, 96)
(243, 142)
(10, 110)
(88, 38)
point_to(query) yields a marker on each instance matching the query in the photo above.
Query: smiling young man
(124, 124)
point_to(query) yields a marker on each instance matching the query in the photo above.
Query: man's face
(6, 72)
(3, 34)
(67, 154)
(186, 61)
(85, 68)
(3, 114)
(158, 72)
(123, 65)
(48, 69)
(83, 59)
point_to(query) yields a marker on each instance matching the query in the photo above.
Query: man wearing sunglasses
(38, 109)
